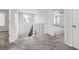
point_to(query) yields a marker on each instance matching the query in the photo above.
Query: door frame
(68, 23)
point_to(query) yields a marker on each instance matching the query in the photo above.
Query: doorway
(59, 24)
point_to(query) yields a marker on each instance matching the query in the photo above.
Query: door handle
(74, 26)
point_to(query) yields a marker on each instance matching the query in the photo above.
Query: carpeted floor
(40, 42)
(4, 40)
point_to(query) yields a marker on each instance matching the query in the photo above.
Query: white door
(75, 28)
(68, 26)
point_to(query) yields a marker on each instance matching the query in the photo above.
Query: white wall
(13, 26)
(6, 27)
(40, 15)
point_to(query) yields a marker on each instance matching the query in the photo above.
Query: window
(59, 20)
(2, 19)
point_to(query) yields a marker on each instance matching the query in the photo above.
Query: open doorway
(4, 29)
(59, 24)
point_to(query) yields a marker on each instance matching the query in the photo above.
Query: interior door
(68, 26)
(75, 28)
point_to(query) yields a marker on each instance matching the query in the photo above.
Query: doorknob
(74, 26)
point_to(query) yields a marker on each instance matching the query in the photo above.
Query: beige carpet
(4, 40)
(40, 42)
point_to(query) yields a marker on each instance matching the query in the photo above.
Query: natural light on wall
(2, 19)
(27, 18)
